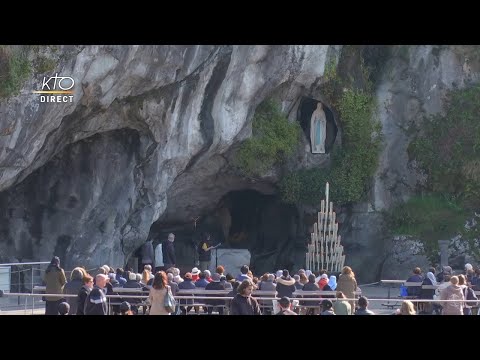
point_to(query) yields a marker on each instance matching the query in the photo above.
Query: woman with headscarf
(55, 281)
(427, 307)
(332, 282)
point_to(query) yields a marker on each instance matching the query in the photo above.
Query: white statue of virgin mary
(318, 130)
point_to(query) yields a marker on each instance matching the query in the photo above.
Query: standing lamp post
(443, 245)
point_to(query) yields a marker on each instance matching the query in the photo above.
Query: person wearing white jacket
(452, 292)
(158, 258)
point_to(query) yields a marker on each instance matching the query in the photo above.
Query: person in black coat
(187, 284)
(83, 294)
(168, 250)
(215, 285)
(148, 255)
(310, 286)
(72, 288)
(96, 302)
(243, 303)
(285, 285)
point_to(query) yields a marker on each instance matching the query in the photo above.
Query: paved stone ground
(373, 292)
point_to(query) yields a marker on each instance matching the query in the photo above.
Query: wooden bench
(261, 295)
(199, 296)
(413, 284)
(121, 294)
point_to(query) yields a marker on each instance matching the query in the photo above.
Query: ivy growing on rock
(447, 149)
(274, 139)
(14, 70)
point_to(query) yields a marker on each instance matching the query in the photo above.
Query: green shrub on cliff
(447, 148)
(274, 139)
(14, 70)
(428, 218)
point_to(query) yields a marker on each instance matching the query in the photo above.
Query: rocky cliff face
(149, 135)
(413, 85)
(145, 133)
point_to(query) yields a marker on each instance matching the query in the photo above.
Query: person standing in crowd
(55, 281)
(83, 294)
(469, 273)
(427, 307)
(72, 288)
(347, 284)
(446, 270)
(148, 255)
(159, 258)
(243, 303)
(468, 293)
(168, 250)
(156, 298)
(452, 292)
(96, 301)
(205, 252)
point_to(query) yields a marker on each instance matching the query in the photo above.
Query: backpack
(470, 295)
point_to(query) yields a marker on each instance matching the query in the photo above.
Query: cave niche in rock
(245, 219)
(306, 109)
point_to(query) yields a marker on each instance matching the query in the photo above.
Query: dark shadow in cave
(244, 219)
(306, 109)
(262, 224)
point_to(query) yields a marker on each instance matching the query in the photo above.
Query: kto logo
(60, 85)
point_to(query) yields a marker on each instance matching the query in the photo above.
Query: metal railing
(22, 278)
(110, 299)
